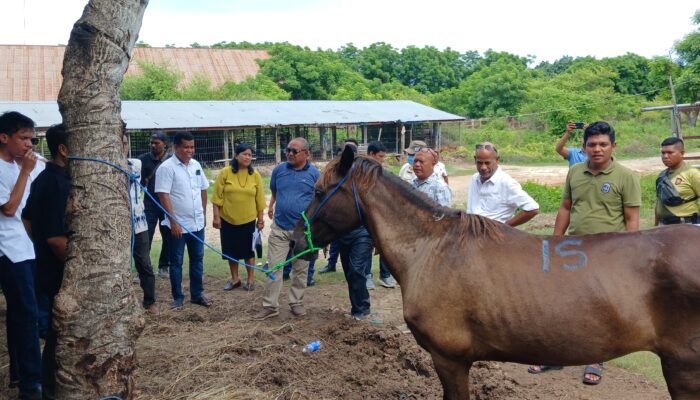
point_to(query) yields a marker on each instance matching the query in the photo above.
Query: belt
(691, 219)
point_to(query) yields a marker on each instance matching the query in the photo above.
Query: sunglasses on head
(35, 141)
(430, 151)
(294, 151)
(487, 147)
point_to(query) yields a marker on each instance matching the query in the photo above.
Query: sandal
(595, 372)
(538, 369)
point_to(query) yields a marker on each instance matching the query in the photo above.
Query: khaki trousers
(277, 249)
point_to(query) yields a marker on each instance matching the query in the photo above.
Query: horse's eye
(319, 193)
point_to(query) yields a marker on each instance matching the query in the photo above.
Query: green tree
(307, 74)
(556, 67)
(156, 82)
(429, 70)
(198, 89)
(497, 89)
(377, 61)
(253, 88)
(585, 92)
(688, 52)
(632, 75)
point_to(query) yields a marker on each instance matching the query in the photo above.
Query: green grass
(635, 137)
(645, 363)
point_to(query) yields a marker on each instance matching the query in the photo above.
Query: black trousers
(142, 261)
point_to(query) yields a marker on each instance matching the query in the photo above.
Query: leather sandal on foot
(533, 369)
(595, 371)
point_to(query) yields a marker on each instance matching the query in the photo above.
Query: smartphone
(578, 125)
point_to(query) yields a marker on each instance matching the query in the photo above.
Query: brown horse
(474, 289)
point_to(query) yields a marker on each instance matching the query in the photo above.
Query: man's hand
(175, 229)
(570, 126)
(216, 223)
(28, 162)
(271, 212)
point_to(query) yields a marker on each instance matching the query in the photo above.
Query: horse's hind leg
(454, 376)
(682, 373)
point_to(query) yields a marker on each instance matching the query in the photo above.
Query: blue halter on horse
(331, 193)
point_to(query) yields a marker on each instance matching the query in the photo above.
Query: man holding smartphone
(573, 155)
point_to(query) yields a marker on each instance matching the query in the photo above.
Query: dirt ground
(222, 353)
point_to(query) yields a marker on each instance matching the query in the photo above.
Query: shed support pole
(334, 140)
(225, 145)
(324, 143)
(403, 139)
(396, 139)
(437, 135)
(278, 150)
(364, 134)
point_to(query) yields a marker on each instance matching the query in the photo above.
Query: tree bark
(691, 117)
(96, 314)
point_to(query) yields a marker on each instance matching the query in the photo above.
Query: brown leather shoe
(298, 310)
(266, 313)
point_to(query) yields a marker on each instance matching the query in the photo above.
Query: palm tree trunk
(97, 316)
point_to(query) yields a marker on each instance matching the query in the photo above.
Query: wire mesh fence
(215, 148)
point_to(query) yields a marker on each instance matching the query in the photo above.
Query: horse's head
(335, 208)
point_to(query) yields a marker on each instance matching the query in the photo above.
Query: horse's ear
(346, 160)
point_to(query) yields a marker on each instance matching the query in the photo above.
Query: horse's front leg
(454, 376)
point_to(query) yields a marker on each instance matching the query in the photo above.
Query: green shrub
(548, 197)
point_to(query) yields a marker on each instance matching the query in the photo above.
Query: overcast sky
(545, 29)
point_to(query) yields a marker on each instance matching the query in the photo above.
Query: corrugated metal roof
(33, 73)
(217, 115)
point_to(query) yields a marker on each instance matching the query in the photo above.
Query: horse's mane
(366, 171)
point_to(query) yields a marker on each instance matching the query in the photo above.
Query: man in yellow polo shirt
(686, 182)
(600, 195)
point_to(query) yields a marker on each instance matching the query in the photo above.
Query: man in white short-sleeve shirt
(182, 190)
(18, 167)
(495, 194)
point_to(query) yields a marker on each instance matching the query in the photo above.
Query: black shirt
(46, 210)
(149, 165)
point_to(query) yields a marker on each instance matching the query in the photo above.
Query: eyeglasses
(487, 147)
(293, 150)
(35, 141)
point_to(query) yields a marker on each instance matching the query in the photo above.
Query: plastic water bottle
(312, 347)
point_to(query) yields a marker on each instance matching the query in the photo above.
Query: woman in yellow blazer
(238, 200)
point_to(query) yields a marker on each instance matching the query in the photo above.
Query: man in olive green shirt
(600, 195)
(686, 181)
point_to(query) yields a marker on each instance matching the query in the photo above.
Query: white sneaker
(370, 283)
(387, 282)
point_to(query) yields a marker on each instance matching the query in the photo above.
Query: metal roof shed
(225, 115)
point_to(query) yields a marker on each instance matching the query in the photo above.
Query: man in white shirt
(495, 194)
(17, 259)
(182, 190)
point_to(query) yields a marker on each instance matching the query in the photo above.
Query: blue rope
(134, 178)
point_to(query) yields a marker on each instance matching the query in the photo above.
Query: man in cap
(406, 173)
(154, 215)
